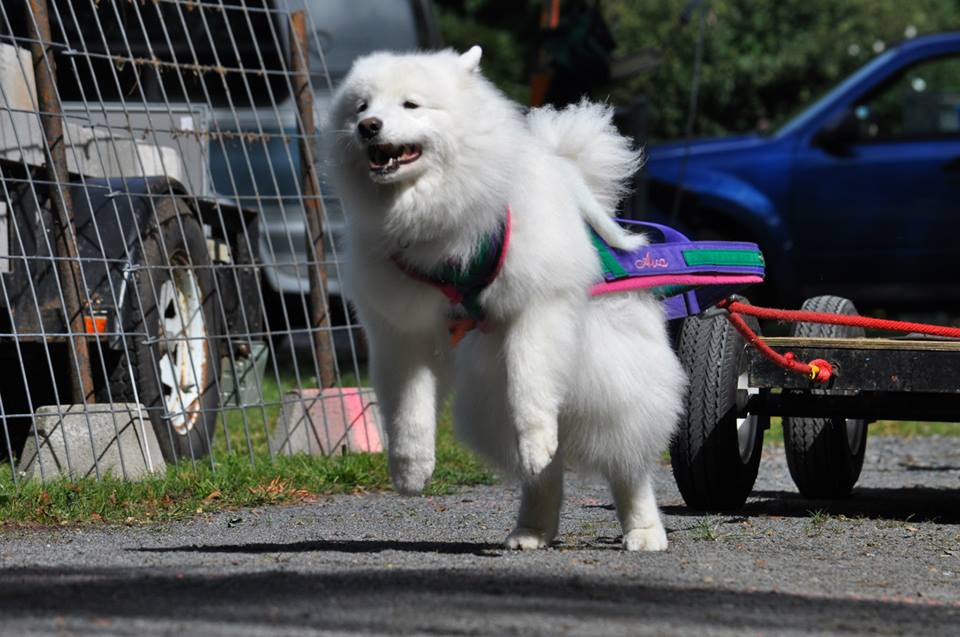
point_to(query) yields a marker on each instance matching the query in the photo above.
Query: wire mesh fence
(169, 283)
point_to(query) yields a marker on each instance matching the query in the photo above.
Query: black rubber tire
(710, 470)
(176, 238)
(825, 455)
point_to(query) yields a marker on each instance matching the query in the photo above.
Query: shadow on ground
(341, 546)
(920, 504)
(442, 601)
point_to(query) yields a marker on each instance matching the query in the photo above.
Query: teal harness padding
(462, 285)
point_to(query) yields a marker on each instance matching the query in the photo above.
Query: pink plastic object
(329, 420)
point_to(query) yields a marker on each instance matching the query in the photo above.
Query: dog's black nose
(369, 127)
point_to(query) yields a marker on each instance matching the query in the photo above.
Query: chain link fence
(168, 247)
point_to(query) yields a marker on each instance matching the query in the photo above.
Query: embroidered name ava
(649, 262)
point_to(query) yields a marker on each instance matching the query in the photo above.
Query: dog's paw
(524, 539)
(410, 475)
(652, 538)
(536, 451)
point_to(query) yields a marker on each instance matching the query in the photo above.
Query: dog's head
(422, 146)
(399, 117)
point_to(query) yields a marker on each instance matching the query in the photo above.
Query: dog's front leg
(540, 353)
(405, 368)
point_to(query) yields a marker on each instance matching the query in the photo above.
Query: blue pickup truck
(858, 195)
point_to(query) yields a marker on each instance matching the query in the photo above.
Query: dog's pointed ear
(470, 61)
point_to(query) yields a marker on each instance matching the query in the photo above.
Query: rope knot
(820, 370)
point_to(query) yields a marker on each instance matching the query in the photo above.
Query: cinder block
(326, 421)
(82, 433)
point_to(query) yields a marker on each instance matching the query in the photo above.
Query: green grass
(239, 473)
(242, 473)
(707, 529)
(818, 522)
(901, 429)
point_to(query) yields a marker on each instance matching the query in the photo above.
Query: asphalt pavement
(886, 561)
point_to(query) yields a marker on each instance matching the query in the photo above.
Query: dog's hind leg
(540, 503)
(637, 510)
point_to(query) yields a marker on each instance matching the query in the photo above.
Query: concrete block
(69, 430)
(326, 421)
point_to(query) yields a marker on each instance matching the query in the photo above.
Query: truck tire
(716, 451)
(176, 369)
(825, 455)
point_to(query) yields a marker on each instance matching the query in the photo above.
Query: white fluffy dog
(428, 158)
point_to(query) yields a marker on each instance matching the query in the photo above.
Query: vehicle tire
(175, 303)
(825, 455)
(715, 454)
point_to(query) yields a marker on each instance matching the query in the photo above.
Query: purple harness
(689, 276)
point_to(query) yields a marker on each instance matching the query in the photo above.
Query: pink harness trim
(642, 283)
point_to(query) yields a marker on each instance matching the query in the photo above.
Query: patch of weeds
(818, 522)
(896, 524)
(706, 530)
(856, 521)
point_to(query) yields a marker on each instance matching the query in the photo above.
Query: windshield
(346, 29)
(818, 106)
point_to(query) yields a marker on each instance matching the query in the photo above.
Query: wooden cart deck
(891, 378)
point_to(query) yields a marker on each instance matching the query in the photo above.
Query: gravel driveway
(886, 561)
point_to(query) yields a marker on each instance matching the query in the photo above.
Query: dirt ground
(886, 561)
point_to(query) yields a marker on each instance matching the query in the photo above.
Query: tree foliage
(762, 59)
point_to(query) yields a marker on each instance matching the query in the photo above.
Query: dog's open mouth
(387, 158)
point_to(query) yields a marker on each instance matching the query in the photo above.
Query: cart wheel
(716, 451)
(825, 455)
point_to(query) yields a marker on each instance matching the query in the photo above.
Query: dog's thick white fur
(560, 378)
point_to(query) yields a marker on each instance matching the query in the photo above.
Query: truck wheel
(176, 368)
(716, 451)
(825, 455)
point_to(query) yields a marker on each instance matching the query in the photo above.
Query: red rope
(818, 369)
(839, 319)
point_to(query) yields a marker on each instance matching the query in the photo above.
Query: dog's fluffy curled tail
(605, 160)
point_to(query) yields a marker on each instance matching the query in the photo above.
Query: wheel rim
(746, 426)
(182, 349)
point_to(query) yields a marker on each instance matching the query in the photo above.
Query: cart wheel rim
(746, 426)
(182, 350)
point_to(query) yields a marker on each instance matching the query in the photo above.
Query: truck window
(922, 102)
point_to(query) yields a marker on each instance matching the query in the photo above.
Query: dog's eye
(409, 104)
(362, 106)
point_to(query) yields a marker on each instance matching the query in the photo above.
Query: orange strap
(458, 328)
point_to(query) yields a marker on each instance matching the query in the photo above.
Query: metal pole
(312, 203)
(68, 266)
